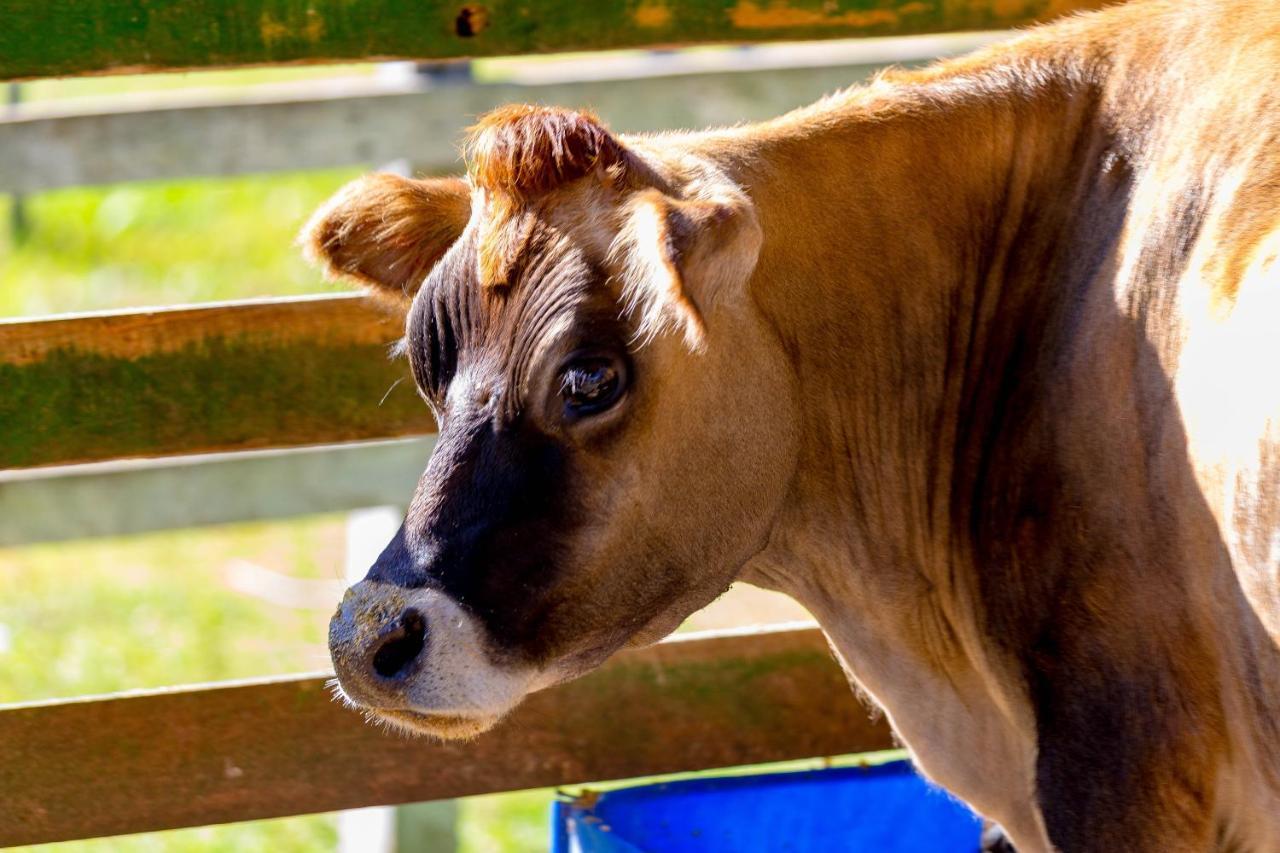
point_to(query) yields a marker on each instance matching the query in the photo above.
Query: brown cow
(979, 363)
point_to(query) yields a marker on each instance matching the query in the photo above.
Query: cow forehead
(456, 318)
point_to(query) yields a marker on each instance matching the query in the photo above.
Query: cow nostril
(402, 646)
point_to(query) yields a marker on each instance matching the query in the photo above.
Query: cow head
(615, 427)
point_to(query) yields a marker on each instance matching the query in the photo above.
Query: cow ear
(678, 257)
(386, 232)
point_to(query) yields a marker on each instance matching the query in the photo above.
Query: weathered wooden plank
(231, 376)
(46, 38)
(190, 757)
(369, 121)
(138, 496)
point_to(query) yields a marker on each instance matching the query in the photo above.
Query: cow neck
(920, 242)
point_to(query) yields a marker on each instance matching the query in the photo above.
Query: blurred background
(222, 169)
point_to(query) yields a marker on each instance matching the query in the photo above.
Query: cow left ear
(386, 232)
(679, 256)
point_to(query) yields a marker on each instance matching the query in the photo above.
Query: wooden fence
(353, 120)
(242, 381)
(144, 495)
(187, 757)
(46, 38)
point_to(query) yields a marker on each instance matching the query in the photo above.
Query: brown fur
(387, 232)
(525, 151)
(976, 362)
(518, 154)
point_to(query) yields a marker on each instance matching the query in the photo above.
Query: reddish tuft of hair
(523, 150)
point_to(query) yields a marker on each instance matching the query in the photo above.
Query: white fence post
(412, 828)
(370, 830)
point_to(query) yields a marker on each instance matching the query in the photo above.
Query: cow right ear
(678, 256)
(386, 232)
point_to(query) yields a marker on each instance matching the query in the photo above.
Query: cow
(980, 363)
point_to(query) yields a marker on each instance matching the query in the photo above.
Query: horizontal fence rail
(322, 124)
(228, 753)
(232, 376)
(46, 38)
(142, 496)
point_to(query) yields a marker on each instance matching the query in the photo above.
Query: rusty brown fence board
(43, 38)
(267, 373)
(190, 757)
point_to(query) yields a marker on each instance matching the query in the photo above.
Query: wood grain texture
(268, 373)
(45, 38)
(190, 757)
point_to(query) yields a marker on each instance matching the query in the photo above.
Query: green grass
(150, 611)
(505, 823)
(161, 243)
(316, 832)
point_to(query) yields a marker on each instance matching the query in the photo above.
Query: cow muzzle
(413, 658)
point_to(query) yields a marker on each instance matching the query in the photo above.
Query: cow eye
(591, 384)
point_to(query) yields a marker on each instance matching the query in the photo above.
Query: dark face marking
(480, 528)
(497, 503)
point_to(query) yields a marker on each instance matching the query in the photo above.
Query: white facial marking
(456, 675)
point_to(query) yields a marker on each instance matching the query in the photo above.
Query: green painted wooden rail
(44, 38)
(233, 376)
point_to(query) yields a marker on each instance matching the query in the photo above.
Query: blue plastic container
(884, 808)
